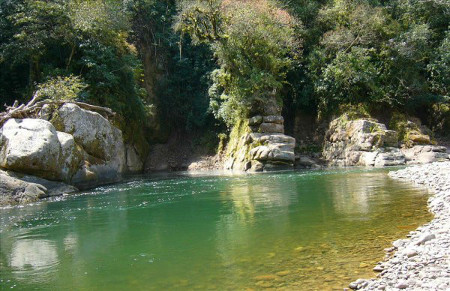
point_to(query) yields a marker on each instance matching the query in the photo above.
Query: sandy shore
(422, 261)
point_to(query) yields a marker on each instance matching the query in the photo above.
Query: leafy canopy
(255, 43)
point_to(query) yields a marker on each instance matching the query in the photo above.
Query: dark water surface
(289, 231)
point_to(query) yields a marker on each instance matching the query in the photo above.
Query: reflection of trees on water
(259, 213)
(32, 257)
(206, 230)
(258, 194)
(33, 254)
(351, 193)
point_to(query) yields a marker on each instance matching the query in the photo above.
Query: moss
(57, 122)
(349, 112)
(222, 142)
(399, 122)
(251, 146)
(240, 129)
(405, 128)
(353, 111)
(376, 129)
(440, 118)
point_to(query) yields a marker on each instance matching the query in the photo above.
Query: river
(315, 230)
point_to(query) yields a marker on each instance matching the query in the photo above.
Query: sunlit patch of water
(290, 231)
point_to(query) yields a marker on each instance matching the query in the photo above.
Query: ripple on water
(291, 231)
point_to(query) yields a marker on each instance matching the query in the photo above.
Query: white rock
(30, 146)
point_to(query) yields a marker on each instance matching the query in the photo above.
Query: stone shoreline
(421, 262)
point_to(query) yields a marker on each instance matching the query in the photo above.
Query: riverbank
(422, 261)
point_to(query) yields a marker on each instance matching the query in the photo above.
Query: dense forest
(204, 65)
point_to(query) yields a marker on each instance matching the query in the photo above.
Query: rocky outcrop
(69, 144)
(14, 191)
(424, 154)
(134, 163)
(18, 189)
(366, 142)
(263, 147)
(363, 142)
(101, 144)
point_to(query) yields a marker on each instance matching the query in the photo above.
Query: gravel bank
(421, 262)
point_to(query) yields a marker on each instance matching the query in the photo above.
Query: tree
(59, 38)
(440, 69)
(255, 45)
(29, 30)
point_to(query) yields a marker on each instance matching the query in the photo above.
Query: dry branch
(33, 107)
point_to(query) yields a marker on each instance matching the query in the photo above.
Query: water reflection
(286, 230)
(33, 254)
(352, 193)
(250, 196)
(70, 242)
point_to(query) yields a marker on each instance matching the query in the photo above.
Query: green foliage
(203, 20)
(439, 118)
(346, 67)
(154, 60)
(176, 71)
(61, 89)
(255, 46)
(46, 40)
(440, 69)
(377, 55)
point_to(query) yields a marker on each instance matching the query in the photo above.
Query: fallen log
(33, 107)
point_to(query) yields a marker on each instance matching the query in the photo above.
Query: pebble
(425, 237)
(402, 285)
(421, 261)
(410, 253)
(378, 268)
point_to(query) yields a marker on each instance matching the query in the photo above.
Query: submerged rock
(421, 262)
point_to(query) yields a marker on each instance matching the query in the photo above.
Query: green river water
(314, 230)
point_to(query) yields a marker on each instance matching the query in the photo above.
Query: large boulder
(263, 147)
(94, 133)
(102, 144)
(76, 146)
(71, 156)
(364, 142)
(34, 146)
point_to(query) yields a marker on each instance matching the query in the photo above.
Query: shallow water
(294, 230)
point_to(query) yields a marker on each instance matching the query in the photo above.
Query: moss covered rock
(260, 145)
(360, 141)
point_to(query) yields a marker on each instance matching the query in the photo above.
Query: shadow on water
(310, 230)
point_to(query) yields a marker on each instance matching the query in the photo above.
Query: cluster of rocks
(264, 147)
(424, 154)
(422, 261)
(366, 142)
(65, 144)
